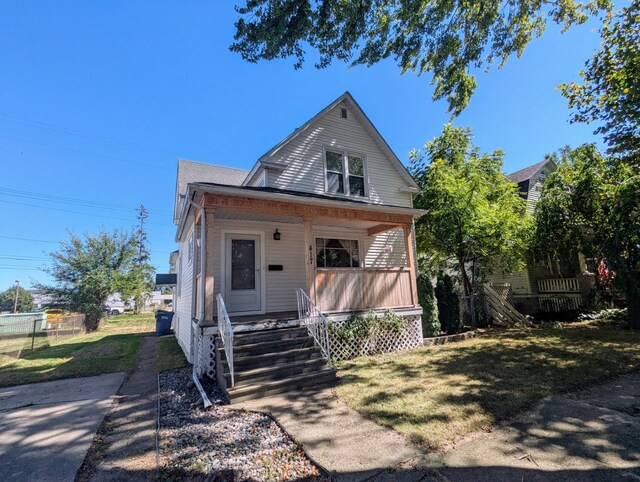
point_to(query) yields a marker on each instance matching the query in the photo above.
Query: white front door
(243, 273)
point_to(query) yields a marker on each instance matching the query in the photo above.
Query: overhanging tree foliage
(87, 270)
(610, 92)
(591, 204)
(8, 300)
(448, 39)
(475, 213)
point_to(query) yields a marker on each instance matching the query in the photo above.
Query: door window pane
(243, 264)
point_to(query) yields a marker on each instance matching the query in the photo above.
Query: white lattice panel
(380, 341)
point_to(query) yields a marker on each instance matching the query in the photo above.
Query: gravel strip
(220, 444)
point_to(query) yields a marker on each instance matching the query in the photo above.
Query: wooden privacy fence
(499, 309)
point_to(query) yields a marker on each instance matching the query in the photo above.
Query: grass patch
(438, 395)
(169, 355)
(113, 348)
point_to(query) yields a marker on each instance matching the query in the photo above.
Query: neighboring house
(321, 225)
(548, 285)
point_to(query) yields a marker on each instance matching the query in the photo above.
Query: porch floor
(265, 321)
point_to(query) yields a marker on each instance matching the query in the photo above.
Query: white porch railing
(226, 334)
(316, 323)
(561, 285)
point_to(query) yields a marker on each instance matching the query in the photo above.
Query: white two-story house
(321, 227)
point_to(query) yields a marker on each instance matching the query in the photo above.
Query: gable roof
(192, 171)
(528, 172)
(361, 117)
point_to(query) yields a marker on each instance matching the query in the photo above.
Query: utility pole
(15, 303)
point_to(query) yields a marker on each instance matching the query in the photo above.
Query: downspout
(203, 243)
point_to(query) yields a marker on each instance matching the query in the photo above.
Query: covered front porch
(346, 256)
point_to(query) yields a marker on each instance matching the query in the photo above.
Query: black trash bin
(163, 322)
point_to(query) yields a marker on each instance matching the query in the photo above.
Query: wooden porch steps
(275, 361)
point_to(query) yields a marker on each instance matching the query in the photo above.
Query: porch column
(208, 276)
(411, 261)
(309, 266)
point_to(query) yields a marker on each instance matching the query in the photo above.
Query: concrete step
(253, 337)
(251, 362)
(320, 378)
(276, 346)
(280, 372)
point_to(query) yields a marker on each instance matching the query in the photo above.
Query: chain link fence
(24, 333)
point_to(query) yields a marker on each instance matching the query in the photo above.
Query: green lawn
(113, 348)
(169, 355)
(438, 395)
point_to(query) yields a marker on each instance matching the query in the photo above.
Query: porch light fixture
(276, 235)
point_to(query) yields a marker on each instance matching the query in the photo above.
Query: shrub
(448, 304)
(427, 299)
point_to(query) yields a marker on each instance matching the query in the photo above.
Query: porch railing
(560, 285)
(226, 334)
(316, 323)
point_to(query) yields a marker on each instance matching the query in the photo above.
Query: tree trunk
(633, 307)
(468, 290)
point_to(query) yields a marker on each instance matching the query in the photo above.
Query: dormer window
(345, 173)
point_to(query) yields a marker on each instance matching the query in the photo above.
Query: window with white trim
(345, 173)
(190, 247)
(337, 253)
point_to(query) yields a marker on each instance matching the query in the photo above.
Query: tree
(591, 205)
(610, 92)
(86, 270)
(475, 214)
(448, 304)
(137, 282)
(447, 39)
(8, 299)
(427, 298)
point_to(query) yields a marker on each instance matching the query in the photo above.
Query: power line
(21, 268)
(118, 159)
(77, 212)
(45, 125)
(25, 258)
(29, 239)
(74, 201)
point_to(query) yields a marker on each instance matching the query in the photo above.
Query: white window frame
(345, 171)
(337, 236)
(190, 246)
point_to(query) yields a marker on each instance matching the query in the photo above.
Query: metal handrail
(316, 322)
(226, 334)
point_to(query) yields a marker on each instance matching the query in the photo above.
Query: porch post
(411, 260)
(208, 274)
(308, 259)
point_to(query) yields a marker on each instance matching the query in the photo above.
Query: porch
(257, 254)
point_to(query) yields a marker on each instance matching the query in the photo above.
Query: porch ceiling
(274, 218)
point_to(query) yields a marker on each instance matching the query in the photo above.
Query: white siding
(535, 188)
(183, 308)
(386, 250)
(281, 286)
(519, 281)
(305, 158)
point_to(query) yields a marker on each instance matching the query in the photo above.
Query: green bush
(427, 299)
(448, 304)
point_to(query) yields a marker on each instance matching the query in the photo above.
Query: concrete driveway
(48, 427)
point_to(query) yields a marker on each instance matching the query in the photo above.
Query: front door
(243, 274)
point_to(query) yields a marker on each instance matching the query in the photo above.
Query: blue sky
(99, 99)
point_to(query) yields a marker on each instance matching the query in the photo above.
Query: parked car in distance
(113, 310)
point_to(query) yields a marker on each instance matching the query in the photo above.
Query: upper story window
(345, 173)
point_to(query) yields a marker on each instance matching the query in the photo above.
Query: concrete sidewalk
(593, 435)
(350, 446)
(125, 448)
(48, 427)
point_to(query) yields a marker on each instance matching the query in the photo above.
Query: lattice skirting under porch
(205, 355)
(380, 341)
